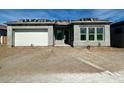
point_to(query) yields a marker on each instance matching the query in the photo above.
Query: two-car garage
(30, 37)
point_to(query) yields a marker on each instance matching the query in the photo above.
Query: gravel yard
(61, 64)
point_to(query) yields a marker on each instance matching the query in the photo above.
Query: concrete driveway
(61, 64)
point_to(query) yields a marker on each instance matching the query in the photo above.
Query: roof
(3, 27)
(58, 22)
(118, 23)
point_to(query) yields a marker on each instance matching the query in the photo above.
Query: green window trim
(100, 33)
(83, 33)
(92, 34)
(91, 31)
(83, 37)
(99, 37)
(91, 37)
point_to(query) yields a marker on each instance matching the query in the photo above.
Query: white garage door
(31, 37)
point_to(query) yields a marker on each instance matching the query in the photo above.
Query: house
(117, 34)
(3, 34)
(44, 32)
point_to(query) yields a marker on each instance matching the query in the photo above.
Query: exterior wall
(78, 43)
(10, 33)
(122, 38)
(59, 42)
(9, 36)
(3, 40)
(117, 36)
(76, 31)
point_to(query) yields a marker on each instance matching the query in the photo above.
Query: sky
(113, 15)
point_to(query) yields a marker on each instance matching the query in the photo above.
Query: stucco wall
(77, 42)
(10, 36)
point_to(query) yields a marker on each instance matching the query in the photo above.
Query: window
(100, 33)
(91, 33)
(59, 35)
(83, 33)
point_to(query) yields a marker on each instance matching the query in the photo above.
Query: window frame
(83, 34)
(91, 34)
(103, 34)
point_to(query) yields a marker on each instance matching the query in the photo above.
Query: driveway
(61, 64)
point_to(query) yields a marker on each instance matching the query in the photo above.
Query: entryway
(62, 35)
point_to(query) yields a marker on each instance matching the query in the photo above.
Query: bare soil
(58, 64)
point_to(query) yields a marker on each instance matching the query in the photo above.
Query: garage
(30, 37)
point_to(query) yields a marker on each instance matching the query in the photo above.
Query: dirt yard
(61, 64)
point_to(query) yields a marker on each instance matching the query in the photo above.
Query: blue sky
(15, 14)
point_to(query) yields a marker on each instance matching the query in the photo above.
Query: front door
(59, 37)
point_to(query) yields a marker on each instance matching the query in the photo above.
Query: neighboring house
(117, 34)
(3, 34)
(43, 32)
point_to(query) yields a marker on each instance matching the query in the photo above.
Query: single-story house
(117, 34)
(44, 32)
(3, 34)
